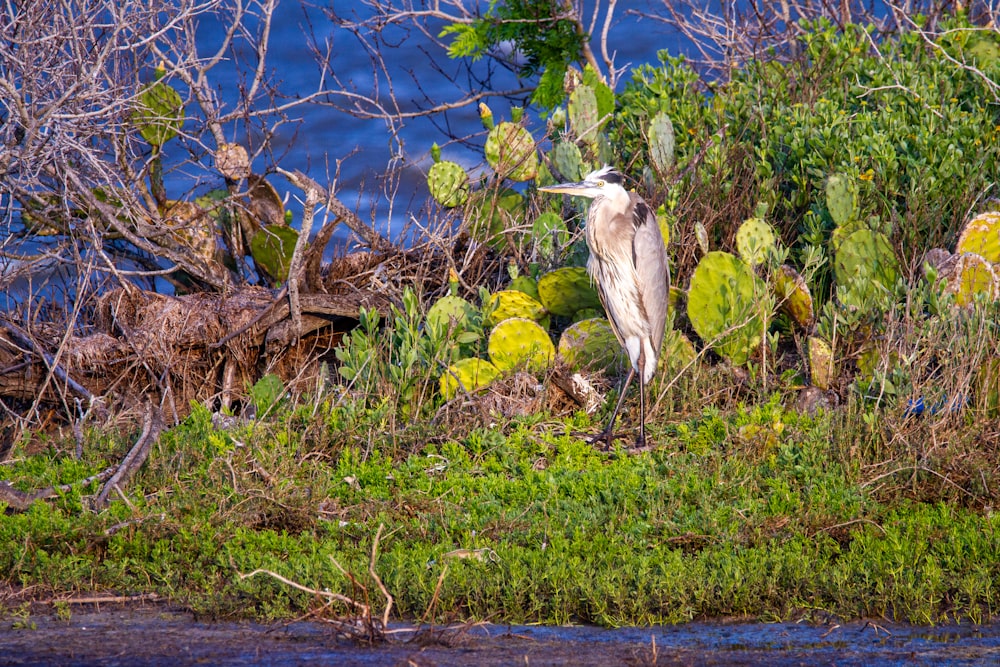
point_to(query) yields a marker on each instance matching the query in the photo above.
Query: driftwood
(173, 350)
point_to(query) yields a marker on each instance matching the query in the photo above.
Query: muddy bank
(169, 637)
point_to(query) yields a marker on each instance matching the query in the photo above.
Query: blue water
(319, 136)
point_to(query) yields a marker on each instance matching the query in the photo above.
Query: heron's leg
(641, 440)
(605, 435)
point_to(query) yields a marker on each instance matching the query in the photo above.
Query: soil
(157, 636)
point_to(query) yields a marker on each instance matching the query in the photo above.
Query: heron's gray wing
(650, 257)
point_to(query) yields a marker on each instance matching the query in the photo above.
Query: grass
(753, 512)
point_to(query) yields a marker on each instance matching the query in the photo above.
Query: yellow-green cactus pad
(510, 150)
(448, 184)
(866, 264)
(724, 306)
(972, 276)
(981, 235)
(467, 375)
(450, 313)
(794, 297)
(518, 342)
(821, 369)
(753, 240)
(842, 198)
(515, 303)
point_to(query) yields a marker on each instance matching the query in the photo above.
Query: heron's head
(604, 182)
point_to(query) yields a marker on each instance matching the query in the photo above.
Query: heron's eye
(600, 184)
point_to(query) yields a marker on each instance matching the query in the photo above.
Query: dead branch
(23, 338)
(152, 424)
(20, 501)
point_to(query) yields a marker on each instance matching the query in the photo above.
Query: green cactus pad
(567, 290)
(724, 307)
(753, 240)
(549, 234)
(510, 150)
(972, 276)
(794, 297)
(821, 369)
(514, 303)
(525, 284)
(567, 160)
(981, 235)
(866, 264)
(467, 375)
(602, 92)
(448, 183)
(450, 312)
(591, 344)
(518, 342)
(583, 114)
(842, 198)
(159, 113)
(661, 142)
(272, 247)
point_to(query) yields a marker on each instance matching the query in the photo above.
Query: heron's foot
(606, 439)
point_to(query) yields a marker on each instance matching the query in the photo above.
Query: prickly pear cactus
(701, 237)
(661, 142)
(232, 161)
(519, 342)
(981, 235)
(514, 303)
(467, 375)
(525, 284)
(510, 150)
(567, 160)
(866, 265)
(583, 114)
(549, 234)
(753, 240)
(794, 297)
(272, 247)
(821, 369)
(450, 313)
(724, 306)
(448, 183)
(587, 314)
(591, 344)
(486, 116)
(602, 92)
(663, 220)
(842, 198)
(159, 111)
(567, 290)
(973, 276)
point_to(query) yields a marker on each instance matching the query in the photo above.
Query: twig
(24, 339)
(378, 580)
(152, 424)
(20, 501)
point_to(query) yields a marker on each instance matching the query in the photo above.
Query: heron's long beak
(568, 188)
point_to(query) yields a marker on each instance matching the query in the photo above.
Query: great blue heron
(628, 261)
